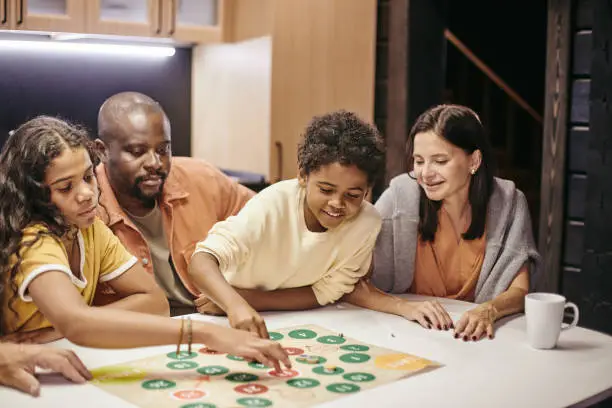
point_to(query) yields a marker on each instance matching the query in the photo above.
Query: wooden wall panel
(323, 59)
(554, 144)
(581, 89)
(581, 59)
(578, 146)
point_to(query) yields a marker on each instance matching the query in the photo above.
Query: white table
(504, 372)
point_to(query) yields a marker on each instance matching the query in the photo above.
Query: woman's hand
(18, 362)
(429, 314)
(476, 323)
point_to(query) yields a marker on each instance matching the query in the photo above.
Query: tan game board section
(207, 379)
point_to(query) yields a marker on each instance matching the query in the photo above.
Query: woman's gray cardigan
(509, 239)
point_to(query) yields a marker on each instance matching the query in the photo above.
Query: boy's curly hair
(342, 137)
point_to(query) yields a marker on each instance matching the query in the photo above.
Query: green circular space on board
(199, 405)
(354, 358)
(331, 340)
(242, 377)
(355, 347)
(254, 402)
(303, 382)
(343, 388)
(321, 370)
(158, 384)
(182, 365)
(258, 365)
(359, 377)
(302, 334)
(213, 370)
(183, 355)
(275, 336)
(303, 360)
(235, 358)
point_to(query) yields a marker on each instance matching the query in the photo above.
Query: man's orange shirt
(195, 196)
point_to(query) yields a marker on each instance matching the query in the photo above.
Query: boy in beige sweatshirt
(300, 243)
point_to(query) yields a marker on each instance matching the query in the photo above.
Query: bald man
(158, 206)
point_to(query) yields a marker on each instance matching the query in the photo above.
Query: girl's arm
(108, 328)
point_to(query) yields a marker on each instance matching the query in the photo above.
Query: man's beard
(148, 201)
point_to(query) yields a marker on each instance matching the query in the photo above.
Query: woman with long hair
(451, 229)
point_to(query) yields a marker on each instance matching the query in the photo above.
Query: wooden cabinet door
(7, 21)
(48, 15)
(197, 21)
(141, 18)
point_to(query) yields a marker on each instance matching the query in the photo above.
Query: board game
(326, 365)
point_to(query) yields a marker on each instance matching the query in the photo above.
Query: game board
(326, 366)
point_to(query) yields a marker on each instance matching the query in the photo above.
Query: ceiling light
(89, 48)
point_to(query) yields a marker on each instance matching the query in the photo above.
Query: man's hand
(207, 306)
(18, 362)
(242, 316)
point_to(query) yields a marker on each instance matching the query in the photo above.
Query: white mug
(544, 313)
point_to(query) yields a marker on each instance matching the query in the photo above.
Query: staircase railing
(492, 75)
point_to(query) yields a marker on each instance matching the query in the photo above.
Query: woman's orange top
(449, 266)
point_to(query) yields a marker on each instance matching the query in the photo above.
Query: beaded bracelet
(180, 340)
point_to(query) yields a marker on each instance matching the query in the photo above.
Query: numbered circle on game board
(283, 373)
(275, 336)
(303, 382)
(199, 405)
(182, 365)
(302, 334)
(188, 395)
(258, 365)
(182, 355)
(254, 402)
(242, 377)
(400, 362)
(327, 371)
(343, 388)
(294, 351)
(158, 384)
(235, 358)
(359, 377)
(355, 347)
(331, 339)
(354, 358)
(251, 389)
(213, 370)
